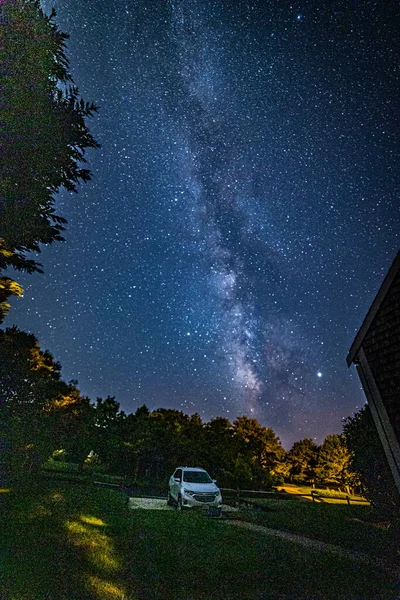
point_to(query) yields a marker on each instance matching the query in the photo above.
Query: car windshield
(196, 477)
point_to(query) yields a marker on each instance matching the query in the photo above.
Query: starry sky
(243, 210)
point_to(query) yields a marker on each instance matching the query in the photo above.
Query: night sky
(243, 210)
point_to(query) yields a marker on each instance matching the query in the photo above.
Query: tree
(137, 439)
(174, 442)
(193, 450)
(261, 446)
(333, 465)
(39, 412)
(219, 450)
(69, 423)
(369, 461)
(107, 414)
(43, 136)
(243, 472)
(8, 288)
(154, 443)
(302, 460)
(107, 432)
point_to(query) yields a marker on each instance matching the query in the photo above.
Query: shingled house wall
(382, 349)
(376, 353)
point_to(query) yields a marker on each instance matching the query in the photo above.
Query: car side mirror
(214, 481)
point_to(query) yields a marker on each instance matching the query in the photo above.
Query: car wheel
(170, 500)
(179, 504)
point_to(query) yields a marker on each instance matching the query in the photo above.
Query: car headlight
(188, 492)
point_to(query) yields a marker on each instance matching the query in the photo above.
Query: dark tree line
(42, 417)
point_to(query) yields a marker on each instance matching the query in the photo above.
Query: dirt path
(319, 546)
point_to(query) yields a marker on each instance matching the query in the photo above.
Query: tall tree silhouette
(43, 136)
(369, 461)
(302, 460)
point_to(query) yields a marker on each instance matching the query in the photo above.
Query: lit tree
(38, 411)
(333, 465)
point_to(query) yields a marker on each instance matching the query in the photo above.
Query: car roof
(190, 468)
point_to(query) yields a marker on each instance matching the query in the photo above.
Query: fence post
(348, 500)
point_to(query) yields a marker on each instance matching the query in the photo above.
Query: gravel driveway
(161, 504)
(149, 503)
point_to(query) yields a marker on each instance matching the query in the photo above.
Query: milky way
(243, 210)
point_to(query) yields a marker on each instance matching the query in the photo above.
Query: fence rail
(261, 492)
(318, 494)
(239, 495)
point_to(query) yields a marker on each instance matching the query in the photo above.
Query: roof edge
(380, 296)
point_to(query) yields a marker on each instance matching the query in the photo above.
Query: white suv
(191, 486)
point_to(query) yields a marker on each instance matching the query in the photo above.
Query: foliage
(105, 433)
(218, 452)
(333, 464)
(8, 287)
(148, 445)
(38, 411)
(43, 136)
(60, 465)
(368, 459)
(260, 448)
(28, 379)
(242, 472)
(302, 460)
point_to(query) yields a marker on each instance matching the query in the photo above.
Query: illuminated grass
(99, 547)
(105, 589)
(82, 543)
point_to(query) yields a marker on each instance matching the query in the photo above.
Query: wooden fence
(239, 496)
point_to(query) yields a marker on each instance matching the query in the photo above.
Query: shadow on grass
(58, 547)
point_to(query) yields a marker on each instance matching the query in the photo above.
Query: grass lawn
(340, 524)
(76, 542)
